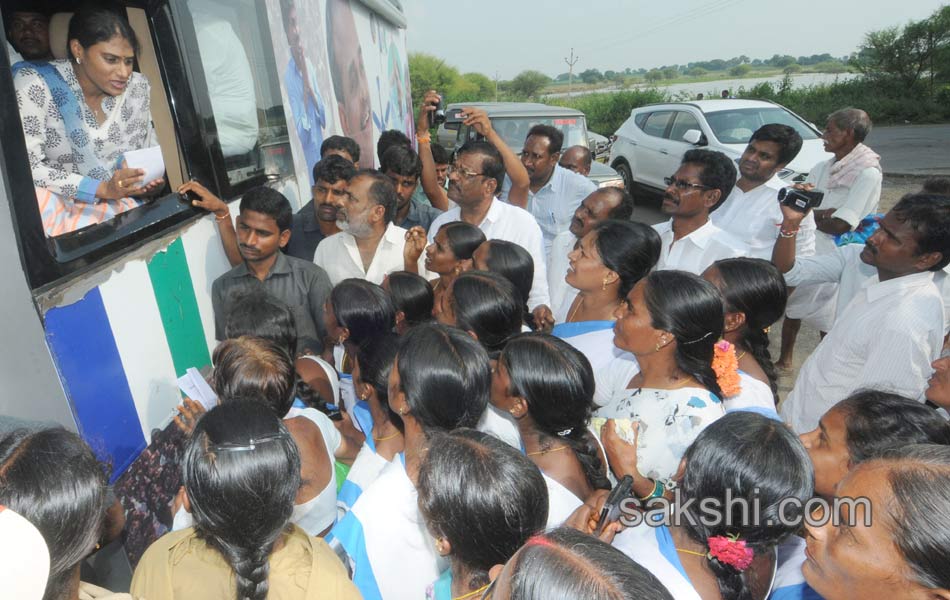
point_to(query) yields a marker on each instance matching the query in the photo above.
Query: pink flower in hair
(731, 551)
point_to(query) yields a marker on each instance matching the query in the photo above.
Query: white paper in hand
(193, 385)
(149, 159)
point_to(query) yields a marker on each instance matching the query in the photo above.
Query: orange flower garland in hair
(726, 366)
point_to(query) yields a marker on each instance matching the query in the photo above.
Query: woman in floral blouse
(80, 115)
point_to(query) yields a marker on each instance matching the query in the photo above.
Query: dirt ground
(892, 190)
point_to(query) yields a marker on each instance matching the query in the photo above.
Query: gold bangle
(227, 216)
(424, 139)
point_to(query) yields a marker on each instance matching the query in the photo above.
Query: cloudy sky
(509, 36)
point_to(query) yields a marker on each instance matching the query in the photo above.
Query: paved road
(913, 149)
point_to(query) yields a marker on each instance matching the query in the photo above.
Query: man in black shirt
(317, 219)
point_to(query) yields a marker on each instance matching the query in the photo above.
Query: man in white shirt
(474, 179)
(752, 212)
(554, 192)
(602, 204)
(851, 183)
(892, 329)
(369, 245)
(691, 242)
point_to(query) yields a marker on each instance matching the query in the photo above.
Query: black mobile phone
(611, 509)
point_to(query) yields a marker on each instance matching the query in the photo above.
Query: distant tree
(670, 73)
(757, 62)
(830, 66)
(740, 70)
(781, 61)
(428, 72)
(480, 87)
(563, 77)
(591, 76)
(696, 72)
(792, 68)
(611, 75)
(528, 83)
(653, 75)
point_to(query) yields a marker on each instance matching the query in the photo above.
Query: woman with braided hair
(241, 471)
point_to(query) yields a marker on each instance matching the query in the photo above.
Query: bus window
(241, 78)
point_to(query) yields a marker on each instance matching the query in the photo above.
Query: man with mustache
(554, 193)
(369, 245)
(263, 228)
(890, 323)
(691, 242)
(28, 32)
(316, 219)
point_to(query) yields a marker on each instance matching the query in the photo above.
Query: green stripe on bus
(175, 295)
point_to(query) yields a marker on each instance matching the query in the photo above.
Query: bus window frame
(50, 263)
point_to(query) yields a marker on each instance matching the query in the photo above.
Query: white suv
(651, 143)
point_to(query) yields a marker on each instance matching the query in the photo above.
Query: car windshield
(515, 130)
(737, 126)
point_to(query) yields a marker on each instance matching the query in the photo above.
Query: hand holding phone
(611, 509)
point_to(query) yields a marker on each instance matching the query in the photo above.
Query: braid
(756, 342)
(250, 566)
(586, 451)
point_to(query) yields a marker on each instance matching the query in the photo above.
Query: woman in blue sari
(80, 116)
(604, 267)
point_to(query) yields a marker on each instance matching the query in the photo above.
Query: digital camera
(800, 200)
(438, 115)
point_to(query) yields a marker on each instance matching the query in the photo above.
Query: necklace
(546, 451)
(570, 317)
(384, 438)
(693, 552)
(472, 593)
(740, 356)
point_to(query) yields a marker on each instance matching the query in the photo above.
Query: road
(912, 149)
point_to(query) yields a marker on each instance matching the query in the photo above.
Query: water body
(712, 89)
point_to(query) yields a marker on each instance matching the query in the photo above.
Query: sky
(510, 36)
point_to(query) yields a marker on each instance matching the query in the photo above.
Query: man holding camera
(851, 184)
(752, 212)
(890, 323)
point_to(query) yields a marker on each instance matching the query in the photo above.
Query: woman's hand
(416, 243)
(123, 184)
(206, 199)
(543, 318)
(621, 455)
(188, 414)
(587, 517)
(151, 188)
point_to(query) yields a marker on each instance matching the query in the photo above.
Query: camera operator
(851, 183)
(890, 322)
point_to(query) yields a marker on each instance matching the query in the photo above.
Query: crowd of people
(476, 375)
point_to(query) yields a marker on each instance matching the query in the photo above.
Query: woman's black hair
(241, 471)
(565, 564)
(463, 238)
(690, 308)
(445, 375)
(256, 370)
(52, 479)
(737, 457)
(258, 314)
(557, 382)
(486, 304)
(629, 249)
(877, 421)
(919, 517)
(96, 22)
(376, 361)
(515, 264)
(483, 496)
(412, 295)
(363, 308)
(756, 288)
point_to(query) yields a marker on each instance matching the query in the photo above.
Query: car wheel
(624, 170)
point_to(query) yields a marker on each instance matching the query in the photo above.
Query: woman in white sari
(439, 380)
(79, 117)
(604, 267)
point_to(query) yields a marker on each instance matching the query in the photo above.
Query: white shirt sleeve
(539, 285)
(863, 197)
(820, 268)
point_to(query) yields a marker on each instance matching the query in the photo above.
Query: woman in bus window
(80, 115)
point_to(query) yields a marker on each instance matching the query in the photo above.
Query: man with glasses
(691, 242)
(474, 179)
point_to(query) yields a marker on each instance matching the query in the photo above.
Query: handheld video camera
(800, 200)
(437, 117)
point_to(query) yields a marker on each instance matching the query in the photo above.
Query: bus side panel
(359, 103)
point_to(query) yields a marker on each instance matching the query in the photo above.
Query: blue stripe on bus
(80, 338)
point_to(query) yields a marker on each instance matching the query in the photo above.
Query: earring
(439, 546)
(402, 411)
(604, 286)
(78, 61)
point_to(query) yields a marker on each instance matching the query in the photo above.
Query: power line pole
(570, 71)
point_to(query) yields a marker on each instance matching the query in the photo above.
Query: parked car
(513, 120)
(599, 145)
(650, 144)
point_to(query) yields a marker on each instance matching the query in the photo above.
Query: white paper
(193, 385)
(149, 159)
